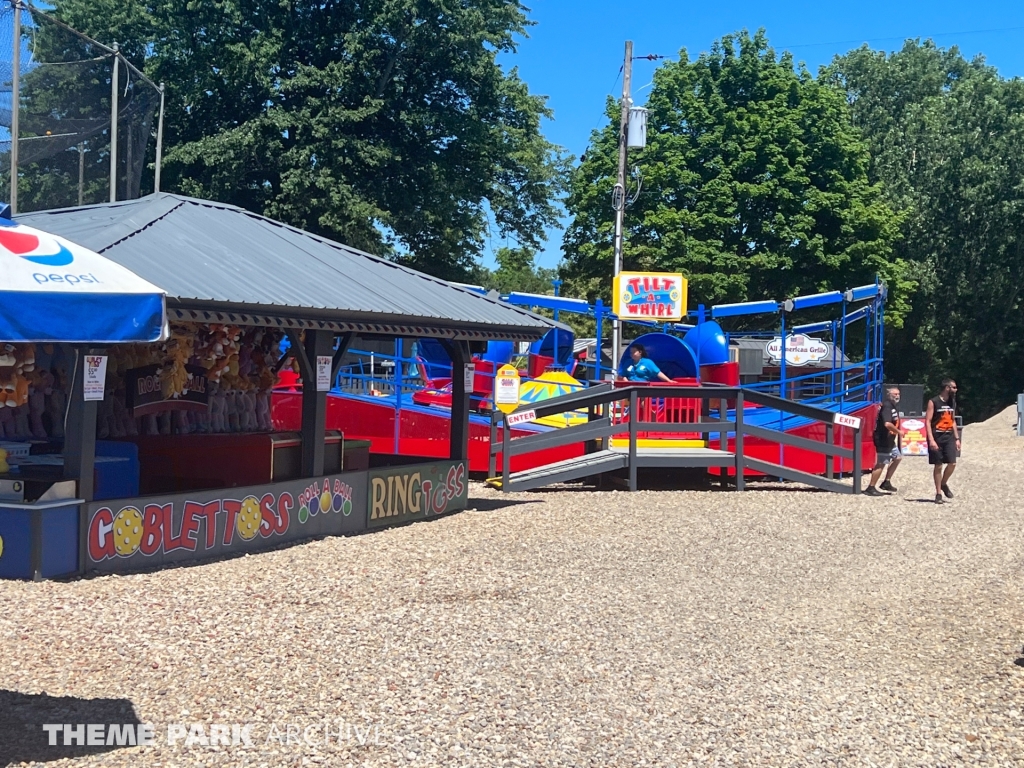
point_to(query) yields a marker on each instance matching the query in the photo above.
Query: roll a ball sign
(649, 295)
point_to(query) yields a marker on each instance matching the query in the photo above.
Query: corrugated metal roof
(205, 253)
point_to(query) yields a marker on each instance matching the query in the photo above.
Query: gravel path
(775, 627)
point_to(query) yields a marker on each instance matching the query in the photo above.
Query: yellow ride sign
(506, 389)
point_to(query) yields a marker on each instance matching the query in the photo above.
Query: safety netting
(65, 116)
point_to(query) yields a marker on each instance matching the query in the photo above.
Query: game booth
(136, 429)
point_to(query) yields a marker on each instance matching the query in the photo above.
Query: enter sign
(520, 418)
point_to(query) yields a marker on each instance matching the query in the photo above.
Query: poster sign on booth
(469, 376)
(913, 439)
(144, 393)
(133, 534)
(323, 373)
(649, 295)
(95, 373)
(800, 349)
(506, 389)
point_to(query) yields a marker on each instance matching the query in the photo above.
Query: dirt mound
(1003, 421)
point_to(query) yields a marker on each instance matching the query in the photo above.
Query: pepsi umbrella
(52, 290)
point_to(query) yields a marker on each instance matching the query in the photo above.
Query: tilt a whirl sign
(649, 295)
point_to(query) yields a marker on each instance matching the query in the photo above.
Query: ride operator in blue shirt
(642, 368)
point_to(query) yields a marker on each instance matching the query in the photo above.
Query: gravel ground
(569, 627)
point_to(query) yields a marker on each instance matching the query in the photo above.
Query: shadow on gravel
(1019, 662)
(492, 505)
(23, 739)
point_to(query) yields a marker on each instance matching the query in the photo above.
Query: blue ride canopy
(708, 343)
(560, 339)
(671, 354)
(705, 344)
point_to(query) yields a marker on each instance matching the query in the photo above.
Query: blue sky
(575, 50)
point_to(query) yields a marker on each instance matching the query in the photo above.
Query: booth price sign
(95, 373)
(506, 389)
(323, 373)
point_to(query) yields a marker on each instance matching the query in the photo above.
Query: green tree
(947, 139)
(517, 271)
(754, 185)
(387, 124)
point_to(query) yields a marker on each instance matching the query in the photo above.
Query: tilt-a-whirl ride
(399, 399)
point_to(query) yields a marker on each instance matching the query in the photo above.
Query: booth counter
(177, 463)
(39, 540)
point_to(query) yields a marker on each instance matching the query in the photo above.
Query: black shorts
(947, 449)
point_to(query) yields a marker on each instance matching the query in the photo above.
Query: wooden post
(458, 351)
(314, 404)
(80, 433)
(79, 455)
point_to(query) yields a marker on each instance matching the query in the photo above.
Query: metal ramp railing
(628, 405)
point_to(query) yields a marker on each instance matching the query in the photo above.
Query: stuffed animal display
(239, 364)
(23, 393)
(240, 375)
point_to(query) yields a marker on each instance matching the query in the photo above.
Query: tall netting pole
(159, 142)
(113, 128)
(86, 127)
(15, 98)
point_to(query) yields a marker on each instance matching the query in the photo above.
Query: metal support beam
(298, 352)
(15, 103)
(829, 441)
(634, 417)
(159, 143)
(344, 340)
(619, 196)
(741, 483)
(314, 404)
(857, 438)
(492, 461)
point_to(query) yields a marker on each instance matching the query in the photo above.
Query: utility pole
(113, 127)
(15, 104)
(619, 195)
